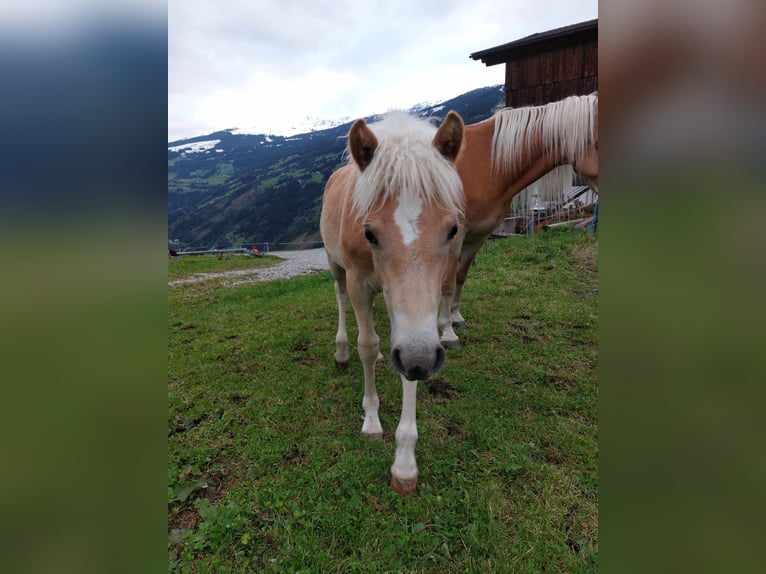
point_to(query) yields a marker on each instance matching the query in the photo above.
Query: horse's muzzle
(417, 366)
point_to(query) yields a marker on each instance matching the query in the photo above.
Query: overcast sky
(265, 65)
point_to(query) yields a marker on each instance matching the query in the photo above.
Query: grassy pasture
(268, 470)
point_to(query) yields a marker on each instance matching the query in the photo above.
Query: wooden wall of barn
(550, 71)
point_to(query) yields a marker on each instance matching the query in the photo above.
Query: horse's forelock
(406, 164)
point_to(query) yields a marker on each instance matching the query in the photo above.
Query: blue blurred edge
(82, 237)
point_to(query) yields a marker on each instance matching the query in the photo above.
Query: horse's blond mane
(406, 164)
(564, 127)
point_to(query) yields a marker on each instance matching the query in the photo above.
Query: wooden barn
(539, 69)
(548, 66)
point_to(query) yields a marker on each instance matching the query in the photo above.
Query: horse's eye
(452, 232)
(370, 237)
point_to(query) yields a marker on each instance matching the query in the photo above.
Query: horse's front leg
(404, 472)
(341, 338)
(466, 259)
(447, 335)
(368, 345)
(456, 318)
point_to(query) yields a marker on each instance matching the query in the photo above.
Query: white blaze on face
(406, 218)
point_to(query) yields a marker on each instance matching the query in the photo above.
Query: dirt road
(295, 263)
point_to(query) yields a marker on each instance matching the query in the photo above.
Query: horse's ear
(449, 137)
(362, 143)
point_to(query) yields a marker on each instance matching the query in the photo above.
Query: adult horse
(505, 154)
(390, 223)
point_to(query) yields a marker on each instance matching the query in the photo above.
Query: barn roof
(500, 54)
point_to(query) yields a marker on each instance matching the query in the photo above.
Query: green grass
(268, 183)
(268, 470)
(218, 175)
(223, 172)
(187, 265)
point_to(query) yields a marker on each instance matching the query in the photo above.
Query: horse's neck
(533, 159)
(532, 164)
(488, 191)
(532, 169)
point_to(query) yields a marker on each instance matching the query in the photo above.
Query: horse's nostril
(418, 368)
(396, 359)
(417, 374)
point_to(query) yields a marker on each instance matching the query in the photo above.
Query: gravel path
(295, 263)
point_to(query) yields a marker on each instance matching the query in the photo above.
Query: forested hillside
(227, 188)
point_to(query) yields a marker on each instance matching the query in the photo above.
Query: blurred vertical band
(683, 136)
(83, 119)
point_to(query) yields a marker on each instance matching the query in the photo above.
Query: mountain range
(230, 188)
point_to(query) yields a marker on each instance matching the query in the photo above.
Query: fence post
(594, 220)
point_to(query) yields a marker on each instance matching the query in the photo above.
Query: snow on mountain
(195, 147)
(423, 107)
(307, 125)
(304, 125)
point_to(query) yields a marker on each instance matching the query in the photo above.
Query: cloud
(243, 63)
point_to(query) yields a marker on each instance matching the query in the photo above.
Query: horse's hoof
(374, 435)
(341, 366)
(380, 361)
(452, 344)
(459, 325)
(403, 487)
